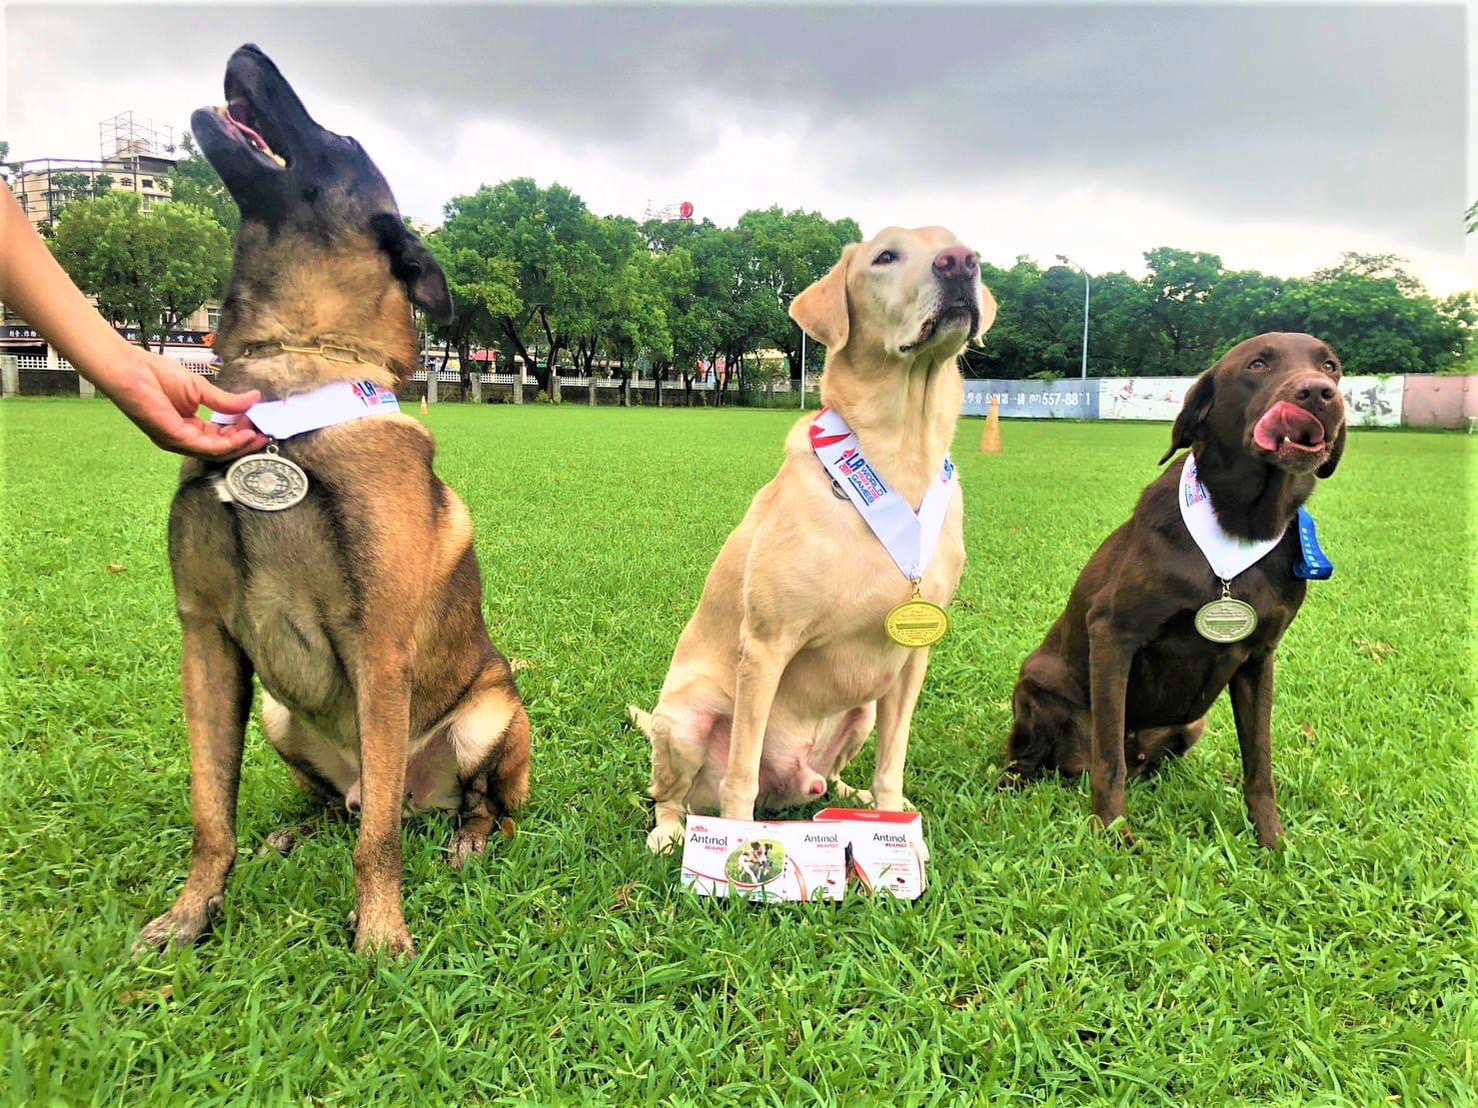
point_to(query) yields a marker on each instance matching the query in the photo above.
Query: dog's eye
(1257, 363)
(1331, 367)
(887, 257)
(310, 193)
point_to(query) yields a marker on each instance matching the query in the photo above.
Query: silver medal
(267, 482)
(1226, 620)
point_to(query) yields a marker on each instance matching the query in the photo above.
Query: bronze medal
(267, 482)
(1226, 620)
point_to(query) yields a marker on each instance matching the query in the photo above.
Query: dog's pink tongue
(1290, 424)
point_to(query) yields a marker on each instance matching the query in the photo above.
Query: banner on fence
(1369, 401)
(1067, 399)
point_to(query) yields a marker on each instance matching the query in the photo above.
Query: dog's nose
(1316, 391)
(956, 261)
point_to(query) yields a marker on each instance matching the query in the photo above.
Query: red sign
(686, 210)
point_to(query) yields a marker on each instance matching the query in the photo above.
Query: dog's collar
(333, 352)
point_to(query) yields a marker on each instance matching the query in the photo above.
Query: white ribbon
(1228, 554)
(909, 537)
(339, 402)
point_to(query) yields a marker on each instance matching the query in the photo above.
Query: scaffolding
(130, 134)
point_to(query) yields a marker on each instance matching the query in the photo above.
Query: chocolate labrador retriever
(1126, 675)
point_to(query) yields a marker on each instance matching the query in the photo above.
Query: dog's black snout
(956, 261)
(1315, 391)
(352, 804)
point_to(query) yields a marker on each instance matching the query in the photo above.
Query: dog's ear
(1328, 468)
(987, 312)
(1192, 413)
(414, 267)
(821, 310)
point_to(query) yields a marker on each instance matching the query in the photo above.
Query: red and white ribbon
(909, 537)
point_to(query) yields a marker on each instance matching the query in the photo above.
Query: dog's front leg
(895, 716)
(217, 693)
(761, 664)
(382, 697)
(1252, 707)
(1109, 659)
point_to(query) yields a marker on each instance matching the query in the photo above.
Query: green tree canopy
(147, 269)
(193, 180)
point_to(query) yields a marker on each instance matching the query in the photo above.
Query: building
(135, 155)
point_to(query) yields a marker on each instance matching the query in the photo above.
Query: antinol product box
(885, 850)
(807, 860)
(764, 860)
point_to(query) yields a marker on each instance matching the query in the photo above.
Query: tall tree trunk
(511, 332)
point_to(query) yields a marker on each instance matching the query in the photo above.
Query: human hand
(163, 397)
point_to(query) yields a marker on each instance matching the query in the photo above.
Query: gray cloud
(1346, 115)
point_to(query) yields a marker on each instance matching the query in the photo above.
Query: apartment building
(135, 155)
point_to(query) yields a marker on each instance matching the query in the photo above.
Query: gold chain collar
(346, 355)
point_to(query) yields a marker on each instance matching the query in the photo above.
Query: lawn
(1045, 965)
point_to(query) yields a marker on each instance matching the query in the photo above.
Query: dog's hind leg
(1047, 731)
(849, 739)
(680, 739)
(490, 737)
(317, 765)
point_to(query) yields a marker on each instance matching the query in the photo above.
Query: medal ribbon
(339, 402)
(909, 537)
(1230, 555)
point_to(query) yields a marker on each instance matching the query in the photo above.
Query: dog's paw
(177, 927)
(894, 802)
(662, 838)
(844, 791)
(391, 938)
(467, 843)
(1270, 833)
(283, 842)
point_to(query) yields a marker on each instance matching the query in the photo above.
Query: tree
(548, 239)
(1381, 266)
(193, 180)
(147, 269)
(1179, 283)
(785, 252)
(482, 294)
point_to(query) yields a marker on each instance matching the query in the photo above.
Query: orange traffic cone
(990, 438)
(424, 410)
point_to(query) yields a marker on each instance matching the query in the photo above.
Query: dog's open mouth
(243, 125)
(1291, 433)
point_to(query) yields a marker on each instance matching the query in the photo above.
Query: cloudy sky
(1277, 136)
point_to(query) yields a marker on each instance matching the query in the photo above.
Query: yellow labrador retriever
(784, 668)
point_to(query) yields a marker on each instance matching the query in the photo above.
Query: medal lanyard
(909, 537)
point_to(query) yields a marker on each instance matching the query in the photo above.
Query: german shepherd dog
(359, 608)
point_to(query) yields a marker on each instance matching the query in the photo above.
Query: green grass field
(1045, 965)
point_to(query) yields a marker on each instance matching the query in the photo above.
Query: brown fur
(1123, 679)
(358, 609)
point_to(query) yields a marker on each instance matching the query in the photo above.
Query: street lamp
(1087, 289)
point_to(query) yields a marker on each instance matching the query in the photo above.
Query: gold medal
(916, 622)
(267, 482)
(1226, 620)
